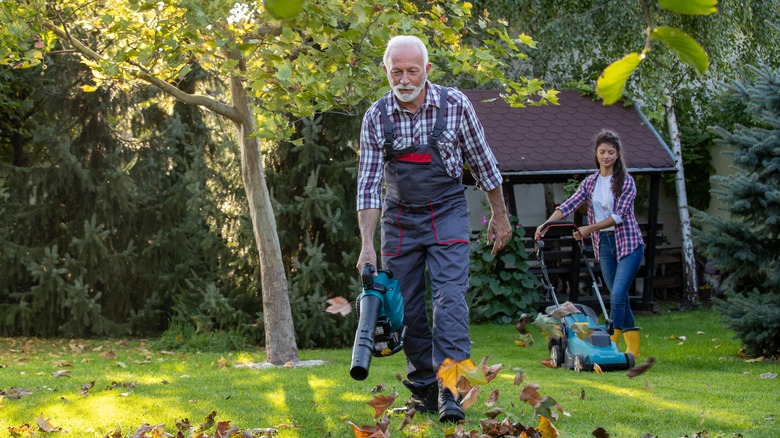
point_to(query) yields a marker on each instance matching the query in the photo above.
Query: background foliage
(745, 246)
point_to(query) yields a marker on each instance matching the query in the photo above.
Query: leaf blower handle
(368, 276)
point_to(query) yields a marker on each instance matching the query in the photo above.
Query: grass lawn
(698, 384)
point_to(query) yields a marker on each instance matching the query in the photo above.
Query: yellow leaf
(546, 428)
(450, 371)
(613, 79)
(88, 88)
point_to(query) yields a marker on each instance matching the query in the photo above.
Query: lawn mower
(584, 343)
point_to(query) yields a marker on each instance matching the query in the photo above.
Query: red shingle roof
(556, 139)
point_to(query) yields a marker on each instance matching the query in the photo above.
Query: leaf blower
(381, 330)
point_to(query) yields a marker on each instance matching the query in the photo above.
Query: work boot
(424, 397)
(632, 341)
(449, 408)
(616, 336)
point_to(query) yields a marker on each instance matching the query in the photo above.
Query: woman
(617, 240)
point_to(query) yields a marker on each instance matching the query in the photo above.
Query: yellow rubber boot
(616, 336)
(632, 341)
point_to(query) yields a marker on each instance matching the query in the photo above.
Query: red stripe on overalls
(436, 234)
(414, 158)
(400, 233)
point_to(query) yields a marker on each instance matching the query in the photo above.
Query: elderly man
(415, 139)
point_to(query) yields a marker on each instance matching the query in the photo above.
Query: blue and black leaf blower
(381, 330)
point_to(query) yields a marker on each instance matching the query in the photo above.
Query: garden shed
(553, 144)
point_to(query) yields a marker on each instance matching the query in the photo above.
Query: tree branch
(191, 99)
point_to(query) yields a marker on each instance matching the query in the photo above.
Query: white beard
(408, 97)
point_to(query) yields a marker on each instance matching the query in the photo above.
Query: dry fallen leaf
(492, 398)
(597, 369)
(520, 377)
(45, 425)
(339, 305)
(470, 398)
(381, 403)
(641, 368)
(109, 355)
(548, 363)
(521, 322)
(530, 394)
(564, 309)
(61, 373)
(408, 416)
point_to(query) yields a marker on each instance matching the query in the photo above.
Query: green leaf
(613, 79)
(283, 8)
(690, 7)
(684, 46)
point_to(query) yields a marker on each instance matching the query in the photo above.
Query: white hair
(405, 41)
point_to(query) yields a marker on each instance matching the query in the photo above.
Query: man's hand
(499, 232)
(367, 255)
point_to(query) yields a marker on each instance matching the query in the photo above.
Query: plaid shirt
(628, 236)
(463, 137)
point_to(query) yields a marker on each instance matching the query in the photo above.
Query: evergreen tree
(314, 191)
(745, 247)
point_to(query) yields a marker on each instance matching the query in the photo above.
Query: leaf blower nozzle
(380, 330)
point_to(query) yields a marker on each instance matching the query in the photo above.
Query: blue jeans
(619, 275)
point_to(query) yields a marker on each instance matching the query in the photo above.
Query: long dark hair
(620, 171)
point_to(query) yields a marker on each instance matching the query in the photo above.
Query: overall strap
(438, 128)
(387, 125)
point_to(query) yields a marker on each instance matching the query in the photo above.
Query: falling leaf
(407, 418)
(549, 326)
(682, 338)
(381, 403)
(641, 368)
(365, 431)
(582, 393)
(525, 340)
(520, 377)
(222, 362)
(225, 430)
(597, 369)
(339, 305)
(378, 388)
(450, 371)
(547, 407)
(86, 387)
(581, 330)
(470, 398)
(492, 398)
(117, 433)
(530, 394)
(495, 412)
(208, 421)
(464, 386)
(521, 323)
(121, 364)
(546, 428)
(45, 425)
(564, 309)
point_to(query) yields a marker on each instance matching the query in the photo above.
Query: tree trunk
(689, 259)
(279, 330)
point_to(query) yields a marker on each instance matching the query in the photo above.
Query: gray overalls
(425, 222)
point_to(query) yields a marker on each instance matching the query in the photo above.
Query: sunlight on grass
(649, 398)
(278, 400)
